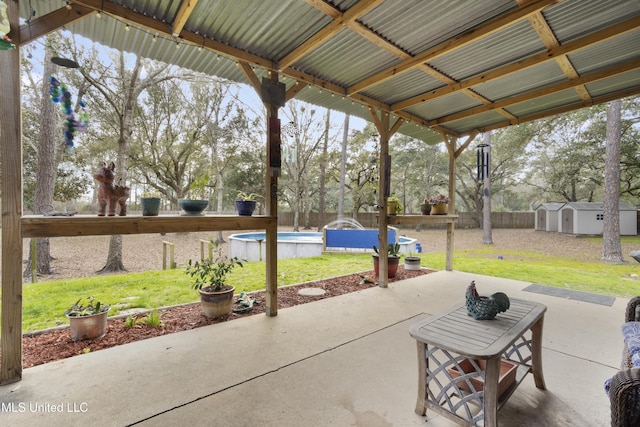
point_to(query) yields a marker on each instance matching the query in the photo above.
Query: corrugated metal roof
(363, 53)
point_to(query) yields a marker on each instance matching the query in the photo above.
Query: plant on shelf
(150, 203)
(438, 204)
(393, 258)
(246, 203)
(210, 275)
(87, 320)
(439, 199)
(394, 207)
(198, 197)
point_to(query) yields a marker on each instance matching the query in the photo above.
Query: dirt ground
(83, 256)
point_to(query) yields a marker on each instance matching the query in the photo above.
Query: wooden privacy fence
(465, 220)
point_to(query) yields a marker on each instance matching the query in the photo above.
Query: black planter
(193, 207)
(245, 207)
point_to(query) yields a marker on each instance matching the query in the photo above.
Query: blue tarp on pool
(357, 239)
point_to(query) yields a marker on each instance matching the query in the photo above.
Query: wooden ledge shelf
(93, 225)
(420, 219)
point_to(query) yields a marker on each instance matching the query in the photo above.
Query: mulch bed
(50, 345)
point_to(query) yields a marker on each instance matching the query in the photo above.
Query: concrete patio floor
(343, 361)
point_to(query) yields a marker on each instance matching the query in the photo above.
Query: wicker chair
(624, 393)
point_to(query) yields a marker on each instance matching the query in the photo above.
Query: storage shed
(547, 216)
(588, 218)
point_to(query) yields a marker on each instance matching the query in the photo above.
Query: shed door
(542, 220)
(567, 221)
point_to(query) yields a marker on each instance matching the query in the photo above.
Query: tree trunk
(47, 164)
(487, 237)
(611, 246)
(323, 172)
(343, 169)
(114, 259)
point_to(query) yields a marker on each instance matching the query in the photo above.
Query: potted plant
(87, 321)
(393, 256)
(246, 203)
(425, 208)
(197, 200)
(412, 262)
(210, 274)
(394, 207)
(439, 204)
(150, 203)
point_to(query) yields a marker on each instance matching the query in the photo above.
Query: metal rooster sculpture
(484, 308)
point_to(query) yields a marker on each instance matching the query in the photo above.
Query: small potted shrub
(210, 274)
(246, 203)
(394, 207)
(87, 321)
(439, 204)
(393, 255)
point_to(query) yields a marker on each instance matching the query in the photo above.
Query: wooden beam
(53, 21)
(294, 90)
(154, 25)
(186, 8)
(547, 90)
(254, 81)
(93, 225)
(633, 91)
(574, 45)
(11, 154)
(464, 39)
(353, 13)
(545, 33)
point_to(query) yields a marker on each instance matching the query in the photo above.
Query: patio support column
(272, 209)
(382, 122)
(273, 99)
(11, 152)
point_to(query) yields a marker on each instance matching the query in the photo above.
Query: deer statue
(109, 194)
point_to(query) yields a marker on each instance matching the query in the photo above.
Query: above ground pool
(252, 246)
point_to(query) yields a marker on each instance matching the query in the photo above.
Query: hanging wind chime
(73, 124)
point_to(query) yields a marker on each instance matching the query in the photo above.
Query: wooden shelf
(420, 219)
(93, 225)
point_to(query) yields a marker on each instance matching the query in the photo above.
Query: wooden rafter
(551, 54)
(555, 88)
(477, 33)
(186, 8)
(43, 25)
(545, 33)
(353, 13)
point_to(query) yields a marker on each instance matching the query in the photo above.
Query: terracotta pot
(439, 209)
(88, 327)
(393, 266)
(217, 304)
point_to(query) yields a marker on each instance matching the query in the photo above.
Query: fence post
(34, 260)
(171, 246)
(202, 242)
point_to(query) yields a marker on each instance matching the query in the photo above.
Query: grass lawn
(45, 302)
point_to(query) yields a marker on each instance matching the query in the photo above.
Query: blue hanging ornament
(54, 89)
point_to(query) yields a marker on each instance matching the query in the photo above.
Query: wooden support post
(171, 247)
(11, 153)
(271, 233)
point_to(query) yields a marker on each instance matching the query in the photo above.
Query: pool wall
(252, 246)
